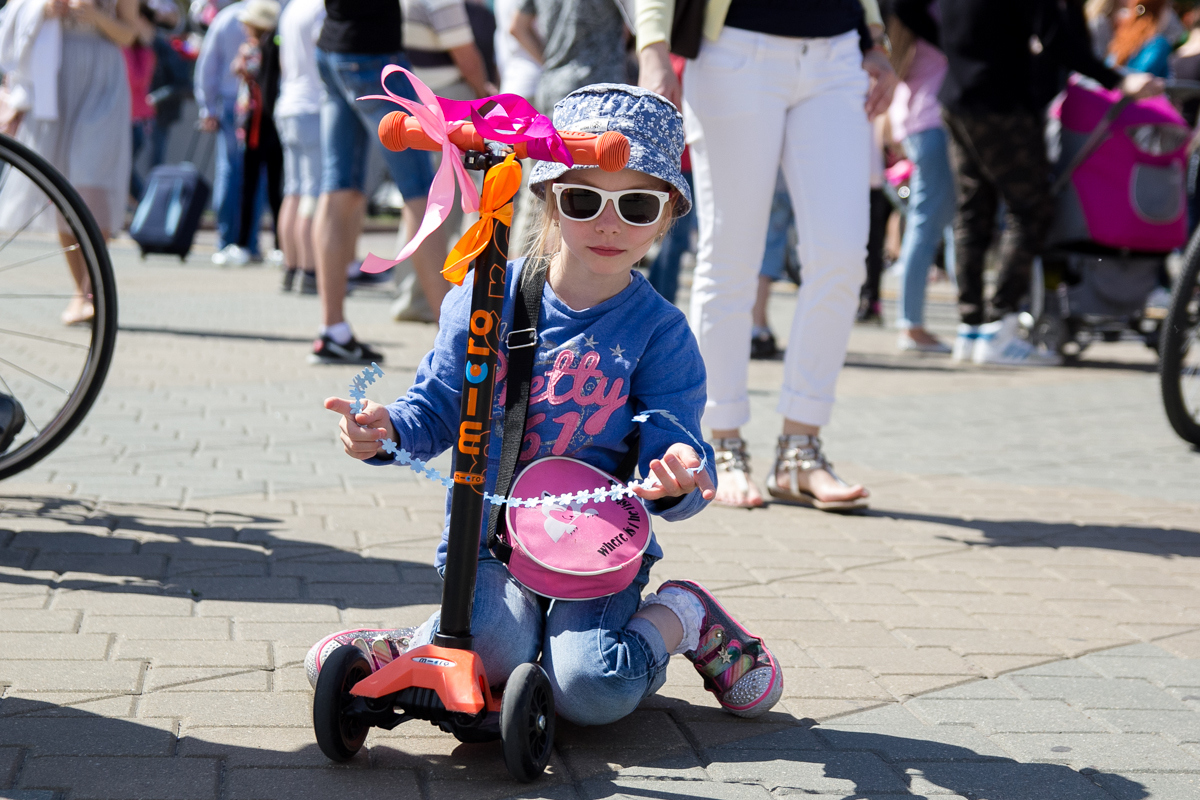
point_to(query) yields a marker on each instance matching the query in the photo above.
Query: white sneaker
(999, 343)
(964, 342)
(275, 257)
(231, 256)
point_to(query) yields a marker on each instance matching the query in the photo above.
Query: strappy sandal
(733, 460)
(798, 454)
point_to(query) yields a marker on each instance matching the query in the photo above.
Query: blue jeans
(664, 272)
(349, 125)
(775, 254)
(601, 662)
(930, 212)
(227, 183)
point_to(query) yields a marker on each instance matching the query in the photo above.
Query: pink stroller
(1121, 209)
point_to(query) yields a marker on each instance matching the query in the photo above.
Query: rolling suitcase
(169, 213)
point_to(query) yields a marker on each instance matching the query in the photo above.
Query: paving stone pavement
(1017, 618)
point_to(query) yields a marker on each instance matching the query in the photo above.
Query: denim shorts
(350, 125)
(300, 136)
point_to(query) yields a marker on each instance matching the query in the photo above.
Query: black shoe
(763, 346)
(289, 278)
(327, 351)
(308, 283)
(12, 419)
(869, 313)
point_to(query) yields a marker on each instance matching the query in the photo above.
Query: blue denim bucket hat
(653, 126)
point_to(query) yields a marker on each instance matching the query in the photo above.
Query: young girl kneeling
(609, 347)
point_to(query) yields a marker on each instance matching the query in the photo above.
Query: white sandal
(799, 453)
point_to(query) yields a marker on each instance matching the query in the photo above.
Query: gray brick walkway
(1018, 618)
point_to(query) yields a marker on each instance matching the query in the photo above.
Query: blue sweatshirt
(594, 370)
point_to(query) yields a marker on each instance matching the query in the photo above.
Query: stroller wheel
(1050, 333)
(527, 722)
(339, 736)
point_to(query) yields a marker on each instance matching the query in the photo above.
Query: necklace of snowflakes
(358, 395)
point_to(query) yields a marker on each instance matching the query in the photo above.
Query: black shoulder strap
(522, 347)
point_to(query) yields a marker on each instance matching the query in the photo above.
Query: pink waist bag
(574, 551)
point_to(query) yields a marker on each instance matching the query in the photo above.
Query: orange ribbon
(499, 187)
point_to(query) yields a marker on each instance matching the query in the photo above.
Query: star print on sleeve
(617, 352)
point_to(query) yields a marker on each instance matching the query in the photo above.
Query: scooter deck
(456, 676)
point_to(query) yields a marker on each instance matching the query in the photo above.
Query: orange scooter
(445, 682)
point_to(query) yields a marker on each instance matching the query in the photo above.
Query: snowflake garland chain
(358, 395)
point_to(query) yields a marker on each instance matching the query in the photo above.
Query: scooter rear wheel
(339, 736)
(527, 722)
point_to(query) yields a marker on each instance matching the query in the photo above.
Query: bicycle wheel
(1179, 349)
(54, 371)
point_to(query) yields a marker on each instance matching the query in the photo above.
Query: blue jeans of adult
(227, 182)
(664, 272)
(601, 662)
(930, 212)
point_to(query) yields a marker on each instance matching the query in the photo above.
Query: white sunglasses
(638, 207)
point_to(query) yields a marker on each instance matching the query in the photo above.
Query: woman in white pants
(754, 101)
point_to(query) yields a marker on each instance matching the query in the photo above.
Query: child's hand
(362, 432)
(674, 480)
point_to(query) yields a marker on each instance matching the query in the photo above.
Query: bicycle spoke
(28, 222)
(38, 378)
(28, 417)
(45, 339)
(35, 259)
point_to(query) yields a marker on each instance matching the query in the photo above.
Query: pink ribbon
(509, 119)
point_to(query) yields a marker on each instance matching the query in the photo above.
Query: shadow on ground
(68, 544)
(1031, 533)
(61, 743)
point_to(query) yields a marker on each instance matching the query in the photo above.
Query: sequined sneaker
(736, 666)
(380, 647)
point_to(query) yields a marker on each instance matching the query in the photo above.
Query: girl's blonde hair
(545, 239)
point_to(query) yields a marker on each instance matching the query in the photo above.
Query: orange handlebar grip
(399, 131)
(609, 150)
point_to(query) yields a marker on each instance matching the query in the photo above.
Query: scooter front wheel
(527, 722)
(338, 735)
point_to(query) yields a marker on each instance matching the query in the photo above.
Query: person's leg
(930, 205)
(308, 130)
(976, 218)
(664, 272)
(1014, 153)
(136, 184)
(159, 135)
(289, 237)
(830, 197)
(227, 183)
(506, 621)
(868, 295)
(248, 221)
(412, 170)
(273, 155)
(734, 165)
(338, 218)
(80, 308)
(602, 661)
(336, 226)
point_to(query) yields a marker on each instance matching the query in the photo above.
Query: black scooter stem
(471, 449)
